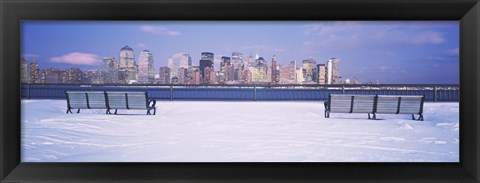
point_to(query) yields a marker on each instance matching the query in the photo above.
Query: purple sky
(391, 52)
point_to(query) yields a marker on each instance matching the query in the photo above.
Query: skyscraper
(34, 72)
(329, 72)
(185, 61)
(23, 71)
(127, 64)
(321, 74)
(207, 60)
(164, 75)
(110, 70)
(274, 70)
(207, 56)
(237, 61)
(225, 62)
(146, 73)
(309, 66)
(173, 67)
(336, 79)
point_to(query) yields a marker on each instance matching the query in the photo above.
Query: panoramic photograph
(240, 91)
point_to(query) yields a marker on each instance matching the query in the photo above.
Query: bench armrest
(152, 102)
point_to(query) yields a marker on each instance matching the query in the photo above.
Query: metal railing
(260, 92)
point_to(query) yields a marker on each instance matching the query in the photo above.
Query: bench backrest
(96, 100)
(76, 99)
(351, 103)
(127, 100)
(400, 104)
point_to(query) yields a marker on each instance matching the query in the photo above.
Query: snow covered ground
(191, 131)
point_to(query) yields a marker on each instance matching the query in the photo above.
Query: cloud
(351, 33)
(77, 58)
(159, 30)
(429, 37)
(142, 45)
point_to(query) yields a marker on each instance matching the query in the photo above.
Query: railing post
(434, 93)
(343, 89)
(171, 92)
(28, 90)
(254, 93)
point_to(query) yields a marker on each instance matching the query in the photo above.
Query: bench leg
(148, 111)
(69, 110)
(369, 116)
(154, 111)
(420, 118)
(327, 114)
(374, 116)
(108, 111)
(413, 117)
(115, 111)
(78, 111)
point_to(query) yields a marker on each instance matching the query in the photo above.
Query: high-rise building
(146, 72)
(185, 61)
(333, 71)
(321, 74)
(164, 75)
(34, 72)
(225, 61)
(23, 71)
(336, 79)
(237, 61)
(287, 73)
(207, 56)
(109, 70)
(43, 76)
(309, 66)
(274, 70)
(127, 64)
(181, 75)
(173, 67)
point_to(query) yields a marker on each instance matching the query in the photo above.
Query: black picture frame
(12, 12)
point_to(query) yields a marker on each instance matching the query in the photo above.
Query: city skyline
(392, 52)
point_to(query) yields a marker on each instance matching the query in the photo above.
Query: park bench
(129, 100)
(85, 100)
(375, 104)
(338, 103)
(109, 100)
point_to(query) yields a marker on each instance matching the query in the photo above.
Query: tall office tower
(23, 71)
(224, 63)
(329, 72)
(127, 64)
(237, 61)
(185, 61)
(321, 74)
(274, 70)
(164, 75)
(146, 72)
(229, 73)
(299, 75)
(110, 70)
(260, 74)
(181, 75)
(203, 65)
(173, 67)
(287, 73)
(196, 79)
(309, 66)
(34, 72)
(336, 79)
(249, 61)
(43, 76)
(207, 56)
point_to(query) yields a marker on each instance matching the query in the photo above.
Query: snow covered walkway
(191, 131)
